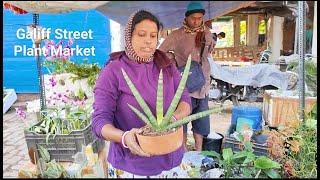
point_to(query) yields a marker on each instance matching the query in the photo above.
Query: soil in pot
(148, 131)
(160, 143)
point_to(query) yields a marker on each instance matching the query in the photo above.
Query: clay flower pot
(162, 144)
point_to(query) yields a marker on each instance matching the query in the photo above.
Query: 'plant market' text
(31, 51)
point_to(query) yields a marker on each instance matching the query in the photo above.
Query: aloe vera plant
(164, 122)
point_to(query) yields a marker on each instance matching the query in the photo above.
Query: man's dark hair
(222, 34)
(143, 15)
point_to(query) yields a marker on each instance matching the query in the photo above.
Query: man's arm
(169, 44)
(210, 38)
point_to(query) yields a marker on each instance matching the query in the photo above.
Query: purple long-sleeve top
(112, 96)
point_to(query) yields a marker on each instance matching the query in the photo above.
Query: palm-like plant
(164, 122)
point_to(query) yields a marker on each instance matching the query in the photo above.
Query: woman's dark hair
(143, 15)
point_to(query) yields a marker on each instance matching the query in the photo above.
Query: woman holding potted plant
(114, 121)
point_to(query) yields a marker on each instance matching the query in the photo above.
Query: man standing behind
(193, 38)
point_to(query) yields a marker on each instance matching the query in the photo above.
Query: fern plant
(163, 122)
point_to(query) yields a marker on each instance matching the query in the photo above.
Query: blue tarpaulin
(170, 13)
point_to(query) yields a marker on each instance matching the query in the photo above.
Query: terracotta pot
(160, 145)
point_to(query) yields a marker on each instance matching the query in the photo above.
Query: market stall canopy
(14, 8)
(170, 13)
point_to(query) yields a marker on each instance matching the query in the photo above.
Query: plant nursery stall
(285, 149)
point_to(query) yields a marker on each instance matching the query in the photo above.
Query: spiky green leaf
(140, 115)
(193, 117)
(160, 99)
(139, 99)
(179, 91)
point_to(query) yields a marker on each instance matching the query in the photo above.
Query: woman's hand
(130, 140)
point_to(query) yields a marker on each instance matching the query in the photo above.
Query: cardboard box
(279, 107)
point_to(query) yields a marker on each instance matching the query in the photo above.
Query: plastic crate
(63, 147)
(235, 145)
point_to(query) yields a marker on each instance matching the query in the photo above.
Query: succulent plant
(164, 122)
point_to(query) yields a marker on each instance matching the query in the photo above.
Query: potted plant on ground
(161, 135)
(63, 127)
(245, 164)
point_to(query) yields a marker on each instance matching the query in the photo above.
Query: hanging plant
(57, 56)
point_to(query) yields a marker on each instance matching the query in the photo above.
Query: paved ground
(15, 148)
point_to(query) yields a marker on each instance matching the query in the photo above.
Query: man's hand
(171, 55)
(130, 140)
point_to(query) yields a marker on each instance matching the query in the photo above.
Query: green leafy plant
(245, 163)
(56, 66)
(58, 62)
(310, 73)
(313, 112)
(54, 170)
(49, 168)
(294, 145)
(79, 119)
(71, 113)
(79, 70)
(163, 122)
(305, 161)
(84, 70)
(80, 95)
(53, 123)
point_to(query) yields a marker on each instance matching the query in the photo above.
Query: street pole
(39, 65)
(301, 52)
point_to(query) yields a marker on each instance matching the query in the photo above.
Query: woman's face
(145, 38)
